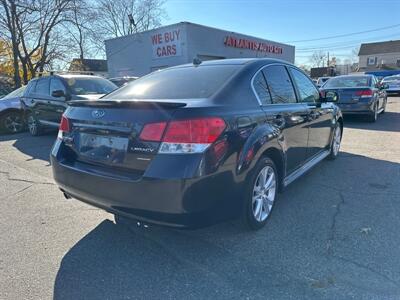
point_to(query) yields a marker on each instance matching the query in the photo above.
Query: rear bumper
(356, 108)
(189, 203)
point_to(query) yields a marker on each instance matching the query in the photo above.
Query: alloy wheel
(264, 192)
(32, 125)
(13, 123)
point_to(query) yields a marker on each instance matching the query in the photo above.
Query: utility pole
(328, 60)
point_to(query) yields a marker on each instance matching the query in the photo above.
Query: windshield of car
(348, 82)
(177, 83)
(16, 93)
(90, 86)
(391, 78)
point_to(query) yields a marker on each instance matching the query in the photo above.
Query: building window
(371, 61)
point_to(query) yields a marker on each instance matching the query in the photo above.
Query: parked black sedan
(192, 145)
(358, 94)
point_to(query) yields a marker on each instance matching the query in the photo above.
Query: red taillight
(153, 132)
(65, 127)
(184, 136)
(364, 93)
(195, 131)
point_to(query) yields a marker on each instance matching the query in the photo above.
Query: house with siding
(379, 56)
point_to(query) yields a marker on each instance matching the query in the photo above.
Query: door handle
(279, 121)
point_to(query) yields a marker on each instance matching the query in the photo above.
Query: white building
(142, 53)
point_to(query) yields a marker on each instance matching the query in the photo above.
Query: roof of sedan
(354, 75)
(67, 76)
(77, 76)
(234, 61)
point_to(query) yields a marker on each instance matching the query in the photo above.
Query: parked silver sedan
(11, 116)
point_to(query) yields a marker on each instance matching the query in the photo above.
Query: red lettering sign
(166, 44)
(234, 42)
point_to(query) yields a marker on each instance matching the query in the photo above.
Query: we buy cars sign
(166, 43)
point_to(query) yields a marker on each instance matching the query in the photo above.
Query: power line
(345, 43)
(344, 46)
(344, 35)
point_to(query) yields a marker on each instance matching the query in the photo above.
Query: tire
(336, 141)
(34, 127)
(12, 122)
(384, 106)
(256, 212)
(372, 117)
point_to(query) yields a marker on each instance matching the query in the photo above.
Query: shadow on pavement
(35, 147)
(389, 121)
(295, 256)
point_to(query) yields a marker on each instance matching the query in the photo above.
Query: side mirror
(329, 96)
(381, 85)
(58, 93)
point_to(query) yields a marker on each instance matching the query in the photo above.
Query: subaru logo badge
(98, 113)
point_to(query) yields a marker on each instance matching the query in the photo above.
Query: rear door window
(261, 89)
(31, 88)
(43, 87)
(307, 91)
(56, 85)
(280, 84)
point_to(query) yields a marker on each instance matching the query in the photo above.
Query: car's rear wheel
(261, 191)
(372, 117)
(12, 122)
(33, 125)
(336, 141)
(384, 106)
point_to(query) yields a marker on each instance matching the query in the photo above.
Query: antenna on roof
(196, 61)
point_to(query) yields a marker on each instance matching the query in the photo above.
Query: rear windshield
(322, 80)
(350, 82)
(391, 78)
(90, 86)
(177, 83)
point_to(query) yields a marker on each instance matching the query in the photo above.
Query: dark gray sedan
(358, 94)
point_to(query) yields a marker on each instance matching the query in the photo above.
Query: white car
(322, 80)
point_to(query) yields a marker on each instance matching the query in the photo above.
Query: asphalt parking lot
(334, 234)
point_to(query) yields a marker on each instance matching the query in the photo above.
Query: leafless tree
(9, 31)
(32, 28)
(318, 58)
(43, 32)
(80, 28)
(113, 15)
